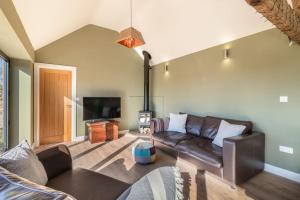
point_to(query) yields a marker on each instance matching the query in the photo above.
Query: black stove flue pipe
(147, 58)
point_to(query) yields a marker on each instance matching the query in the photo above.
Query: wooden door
(55, 106)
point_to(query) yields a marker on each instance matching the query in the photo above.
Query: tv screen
(101, 108)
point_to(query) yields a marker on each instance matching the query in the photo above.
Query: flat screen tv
(101, 108)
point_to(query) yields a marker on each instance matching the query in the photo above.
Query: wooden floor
(114, 159)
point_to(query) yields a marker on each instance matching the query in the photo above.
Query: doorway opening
(55, 104)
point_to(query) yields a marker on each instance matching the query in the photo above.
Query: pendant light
(130, 37)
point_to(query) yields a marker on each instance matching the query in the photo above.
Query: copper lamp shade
(130, 38)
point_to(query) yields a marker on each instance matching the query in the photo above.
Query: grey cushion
(14, 187)
(203, 150)
(22, 161)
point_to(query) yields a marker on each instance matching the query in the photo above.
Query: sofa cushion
(194, 124)
(85, 184)
(211, 126)
(22, 161)
(248, 124)
(177, 122)
(16, 187)
(227, 130)
(171, 138)
(202, 149)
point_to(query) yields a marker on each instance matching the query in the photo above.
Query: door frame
(6, 104)
(37, 67)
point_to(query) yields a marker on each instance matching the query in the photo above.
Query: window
(4, 64)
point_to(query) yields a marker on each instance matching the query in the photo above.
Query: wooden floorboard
(114, 159)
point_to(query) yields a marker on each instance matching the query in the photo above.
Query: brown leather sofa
(82, 184)
(241, 157)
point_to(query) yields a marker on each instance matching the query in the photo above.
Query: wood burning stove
(144, 121)
(145, 115)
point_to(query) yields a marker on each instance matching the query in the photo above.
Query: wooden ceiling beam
(279, 13)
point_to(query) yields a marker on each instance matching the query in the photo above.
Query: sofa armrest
(243, 157)
(157, 125)
(56, 160)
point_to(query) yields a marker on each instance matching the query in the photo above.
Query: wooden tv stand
(103, 130)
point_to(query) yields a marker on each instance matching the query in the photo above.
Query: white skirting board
(282, 172)
(80, 138)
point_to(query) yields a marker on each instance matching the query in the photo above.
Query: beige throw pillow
(227, 130)
(177, 123)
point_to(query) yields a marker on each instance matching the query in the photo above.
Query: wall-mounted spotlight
(166, 69)
(226, 53)
(291, 42)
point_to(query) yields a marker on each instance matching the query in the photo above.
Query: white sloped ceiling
(171, 28)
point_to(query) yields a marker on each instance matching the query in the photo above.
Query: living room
(149, 99)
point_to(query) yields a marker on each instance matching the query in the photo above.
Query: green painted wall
(104, 68)
(20, 81)
(20, 101)
(247, 86)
